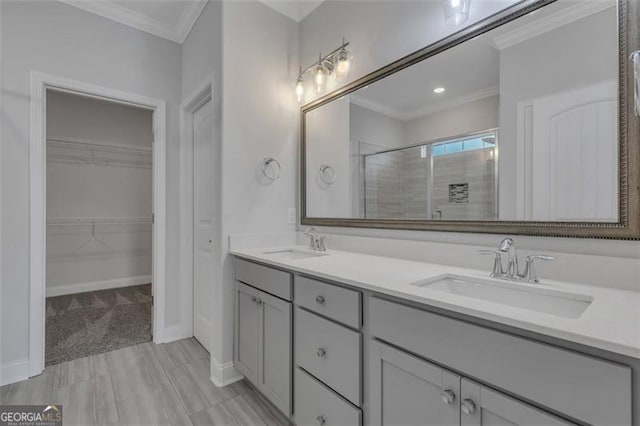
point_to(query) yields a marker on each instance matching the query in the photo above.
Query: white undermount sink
(554, 302)
(293, 254)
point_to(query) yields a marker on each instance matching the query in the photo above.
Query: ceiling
(170, 19)
(294, 9)
(173, 19)
(469, 71)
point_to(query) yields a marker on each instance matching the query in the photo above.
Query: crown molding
(139, 21)
(376, 107)
(551, 22)
(427, 110)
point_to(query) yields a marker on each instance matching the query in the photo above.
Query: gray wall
(54, 38)
(327, 144)
(462, 119)
(260, 119)
(375, 128)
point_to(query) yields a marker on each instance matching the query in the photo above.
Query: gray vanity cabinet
(263, 344)
(481, 406)
(406, 390)
(247, 338)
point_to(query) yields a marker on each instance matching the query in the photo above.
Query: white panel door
(203, 225)
(574, 155)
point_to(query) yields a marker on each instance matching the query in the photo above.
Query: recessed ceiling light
(438, 90)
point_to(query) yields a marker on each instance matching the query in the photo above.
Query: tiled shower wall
(476, 169)
(395, 185)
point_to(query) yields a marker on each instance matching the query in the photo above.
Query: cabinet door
(275, 371)
(483, 406)
(247, 339)
(406, 390)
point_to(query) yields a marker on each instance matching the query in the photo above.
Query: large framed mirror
(523, 124)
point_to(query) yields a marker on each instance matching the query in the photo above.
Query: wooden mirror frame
(628, 225)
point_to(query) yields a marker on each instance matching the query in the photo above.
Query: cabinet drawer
(318, 405)
(271, 280)
(338, 303)
(580, 386)
(330, 352)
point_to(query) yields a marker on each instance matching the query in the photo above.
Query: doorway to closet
(99, 214)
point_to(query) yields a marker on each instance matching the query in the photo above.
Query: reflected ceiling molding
(426, 110)
(140, 21)
(376, 107)
(452, 102)
(551, 22)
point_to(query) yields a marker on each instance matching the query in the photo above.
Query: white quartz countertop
(611, 322)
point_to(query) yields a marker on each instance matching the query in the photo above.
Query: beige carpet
(84, 324)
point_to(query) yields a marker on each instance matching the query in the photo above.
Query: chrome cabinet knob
(448, 396)
(321, 353)
(468, 406)
(320, 300)
(321, 420)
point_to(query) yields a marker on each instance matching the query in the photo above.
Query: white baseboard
(173, 333)
(61, 290)
(14, 371)
(224, 374)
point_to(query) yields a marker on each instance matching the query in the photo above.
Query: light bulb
(456, 12)
(300, 90)
(343, 64)
(319, 79)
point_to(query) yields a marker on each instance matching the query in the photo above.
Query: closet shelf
(71, 221)
(86, 152)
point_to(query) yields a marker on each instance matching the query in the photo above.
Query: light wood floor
(146, 384)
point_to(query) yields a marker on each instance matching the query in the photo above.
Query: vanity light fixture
(300, 88)
(456, 12)
(319, 77)
(343, 62)
(439, 90)
(337, 62)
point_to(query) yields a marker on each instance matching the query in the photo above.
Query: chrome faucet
(316, 242)
(312, 233)
(509, 246)
(512, 271)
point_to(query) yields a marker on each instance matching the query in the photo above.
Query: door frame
(199, 97)
(40, 83)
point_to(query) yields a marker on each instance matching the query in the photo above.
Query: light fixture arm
(325, 58)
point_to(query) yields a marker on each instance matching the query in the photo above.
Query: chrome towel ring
(271, 168)
(327, 174)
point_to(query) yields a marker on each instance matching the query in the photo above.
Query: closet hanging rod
(102, 146)
(100, 221)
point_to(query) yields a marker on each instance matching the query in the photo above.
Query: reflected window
(456, 146)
